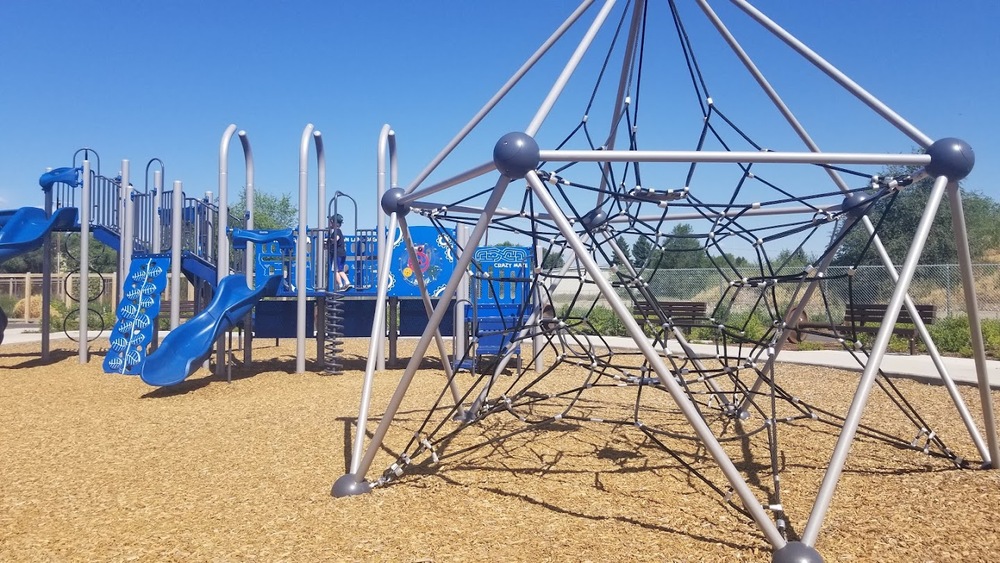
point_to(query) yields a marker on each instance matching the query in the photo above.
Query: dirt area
(99, 467)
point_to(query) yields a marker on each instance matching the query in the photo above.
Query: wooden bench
(186, 309)
(681, 313)
(867, 318)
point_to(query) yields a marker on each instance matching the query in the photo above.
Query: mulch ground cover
(98, 467)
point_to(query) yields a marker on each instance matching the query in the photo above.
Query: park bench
(683, 314)
(867, 318)
(186, 309)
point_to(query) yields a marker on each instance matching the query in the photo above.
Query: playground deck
(101, 467)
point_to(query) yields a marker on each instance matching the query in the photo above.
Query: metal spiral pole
(334, 333)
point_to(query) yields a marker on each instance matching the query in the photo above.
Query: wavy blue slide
(186, 347)
(25, 229)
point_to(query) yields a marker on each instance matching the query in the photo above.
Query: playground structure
(579, 197)
(156, 231)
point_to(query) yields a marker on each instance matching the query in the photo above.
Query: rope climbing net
(613, 329)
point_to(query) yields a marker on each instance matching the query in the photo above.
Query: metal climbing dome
(666, 151)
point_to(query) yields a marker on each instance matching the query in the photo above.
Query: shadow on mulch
(36, 359)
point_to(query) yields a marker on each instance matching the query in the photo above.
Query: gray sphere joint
(349, 486)
(594, 219)
(950, 157)
(796, 552)
(391, 202)
(516, 154)
(855, 205)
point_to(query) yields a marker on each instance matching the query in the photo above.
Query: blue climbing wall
(137, 311)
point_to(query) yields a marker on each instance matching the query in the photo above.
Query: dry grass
(101, 467)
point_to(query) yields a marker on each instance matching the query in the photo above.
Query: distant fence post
(27, 296)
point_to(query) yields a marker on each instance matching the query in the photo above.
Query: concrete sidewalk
(920, 367)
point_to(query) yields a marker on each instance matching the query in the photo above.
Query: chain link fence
(938, 285)
(17, 290)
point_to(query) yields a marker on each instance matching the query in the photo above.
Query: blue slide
(25, 229)
(186, 347)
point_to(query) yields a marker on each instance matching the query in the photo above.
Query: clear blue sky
(139, 80)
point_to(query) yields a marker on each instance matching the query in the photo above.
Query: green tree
(641, 251)
(269, 211)
(623, 245)
(682, 250)
(897, 217)
(552, 260)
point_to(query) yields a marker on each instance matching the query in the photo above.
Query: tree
(269, 211)
(897, 217)
(623, 245)
(552, 260)
(641, 251)
(681, 250)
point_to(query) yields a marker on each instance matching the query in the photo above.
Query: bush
(952, 336)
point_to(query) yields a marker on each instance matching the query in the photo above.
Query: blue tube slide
(26, 228)
(187, 346)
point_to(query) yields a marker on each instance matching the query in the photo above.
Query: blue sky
(139, 80)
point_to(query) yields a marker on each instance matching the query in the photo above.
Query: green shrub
(991, 336)
(952, 336)
(606, 322)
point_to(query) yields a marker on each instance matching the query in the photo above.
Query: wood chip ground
(97, 467)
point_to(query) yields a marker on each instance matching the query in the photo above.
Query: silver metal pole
(972, 310)
(320, 270)
(127, 232)
(567, 72)
(84, 283)
(248, 217)
(176, 230)
(449, 369)
(386, 148)
(683, 401)
(768, 89)
(734, 157)
(624, 78)
(879, 248)
(249, 211)
(222, 240)
(853, 418)
(511, 82)
(832, 71)
(462, 296)
(423, 343)
(300, 252)
(374, 354)
(157, 208)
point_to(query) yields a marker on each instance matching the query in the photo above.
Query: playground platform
(918, 367)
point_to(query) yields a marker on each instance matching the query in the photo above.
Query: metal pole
(300, 253)
(248, 217)
(222, 242)
(734, 157)
(177, 201)
(47, 279)
(683, 401)
(461, 265)
(972, 310)
(84, 283)
(127, 227)
(853, 418)
(842, 79)
(563, 79)
(511, 82)
(157, 208)
(386, 144)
